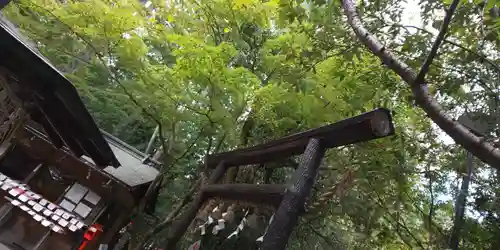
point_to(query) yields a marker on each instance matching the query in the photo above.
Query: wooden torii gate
(290, 200)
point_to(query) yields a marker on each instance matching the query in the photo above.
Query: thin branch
(475, 79)
(482, 58)
(437, 43)
(478, 146)
(268, 77)
(313, 66)
(209, 147)
(73, 56)
(186, 152)
(165, 168)
(171, 216)
(424, 214)
(208, 14)
(219, 144)
(110, 72)
(207, 114)
(402, 224)
(325, 238)
(398, 232)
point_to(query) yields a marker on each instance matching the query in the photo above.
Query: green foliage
(217, 74)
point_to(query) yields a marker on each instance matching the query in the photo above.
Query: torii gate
(290, 199)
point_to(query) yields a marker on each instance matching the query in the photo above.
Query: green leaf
(490, 4)
(231, 74)
(170, 18)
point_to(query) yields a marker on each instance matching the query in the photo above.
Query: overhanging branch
(476, 145)
(480, 57)
(437, 43)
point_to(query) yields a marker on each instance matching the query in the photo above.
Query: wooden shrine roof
(54, 101)
(133, 171)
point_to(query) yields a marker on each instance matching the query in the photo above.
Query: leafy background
(216, 75)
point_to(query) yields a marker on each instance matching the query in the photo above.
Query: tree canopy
(215, 75)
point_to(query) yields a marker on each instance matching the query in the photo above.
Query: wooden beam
(180, 226)
(270, 194)
(368, 126)
(100, 182)
(293, 205)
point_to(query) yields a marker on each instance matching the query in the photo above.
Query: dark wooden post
(179, 228)
(286, 217)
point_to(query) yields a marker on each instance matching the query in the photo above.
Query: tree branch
(437, 43)
(171, 216)
(188, 150)
(424, 214)
(482, 58)
(398, 232)
(111, 73)
(219, 144)
(380, 202)
(325, 238)
(476, 145)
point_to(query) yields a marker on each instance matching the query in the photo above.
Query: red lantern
(92, 233)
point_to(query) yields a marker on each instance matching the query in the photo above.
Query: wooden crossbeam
(180, 226)
(368, 126)
(270, 194)
(291, 201)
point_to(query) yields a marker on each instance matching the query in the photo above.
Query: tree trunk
(460, 204)
(460, 134)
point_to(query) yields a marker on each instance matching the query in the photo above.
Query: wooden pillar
(286, 217)
(180, 227)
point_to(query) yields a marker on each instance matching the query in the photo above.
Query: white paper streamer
(210, 220)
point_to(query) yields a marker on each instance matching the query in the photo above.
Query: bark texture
(472, 143)
(286, 217)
